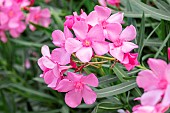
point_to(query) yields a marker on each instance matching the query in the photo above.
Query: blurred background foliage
(21, 89)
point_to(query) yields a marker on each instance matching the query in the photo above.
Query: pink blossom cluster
(156, 85)
(13, 18)
(98, 33)
(111, 2)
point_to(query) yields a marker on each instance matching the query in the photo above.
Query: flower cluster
(156, 84)
(13, 18)
(111, 2)
(96, 34)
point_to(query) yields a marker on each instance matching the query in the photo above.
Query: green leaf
(107, 80)
(117, 89)
(162, 5)
(162, 46)
(156, 13)
(141, 37)
(120, 73)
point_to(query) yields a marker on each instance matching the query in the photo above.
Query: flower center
(78, 85)
(86, 43)
(104, 23)
(37, 17)
(117, 43)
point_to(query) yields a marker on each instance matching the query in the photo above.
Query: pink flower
(130, 60)
(111, 2)
(12, 19)
(52, 71)
(38, 16)
(27, 64)
(86, 40)
(101, 16)
(23, 3)
(157, 82)
(169, 53)
(120, 45)
(60, 55)
(77, 88)
(70, 20)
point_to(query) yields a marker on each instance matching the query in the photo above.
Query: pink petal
(92, 18)
(116, 18)
(45, 51)
(74, 76)
(116, 52)
(13, 23)
(40, 64)
(91, 80)
(4, 18)
(128, 46)
(103, 12)
(73, 99)
(166, 99)
(129, 33)
(50, 79)
(67, 33)
(148, 98)
(96, 33)
(113, 31)
(48, 63)
(100, 48)
(147, 80)
(45, 13)
(102, 2)
(72, 45)
(65, 85)
(80, 29)
(61, 56)
(89, 96)
(167, 73)
(14, 33)
(158, 67)
(56, 71)
(58, 38)
(84, 54)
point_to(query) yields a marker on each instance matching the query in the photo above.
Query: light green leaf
(117, 89)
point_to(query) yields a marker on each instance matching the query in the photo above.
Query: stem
(103, 57)
(141, 67)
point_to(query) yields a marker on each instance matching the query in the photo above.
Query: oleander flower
(60, 55)
(38, 16)
(76, 86)
(120, 45)
(3, 37)
(155, 81)
(71, 19)
(86, 41)
(130, 60)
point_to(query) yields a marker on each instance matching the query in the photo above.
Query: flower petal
(73, 76)
(92, 18)
(147, 80)
(100, 48)
(80, 29)
(129, 33)
(58, 38)
(102, 2)
(167, 73)
(84, 54)
(61, 56)
(45, 51)
(91, 80)
(158, 67)
(103, 12)
(116, 52)
(116, 18)
(67, 33)
(72, 45)
(48, 63)
(148, 98)
(73, 99)
(113, 31)
(65, 85)
(45, 13)
(166, 99)
(96, 33)
(89, 96)
(128, 46)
